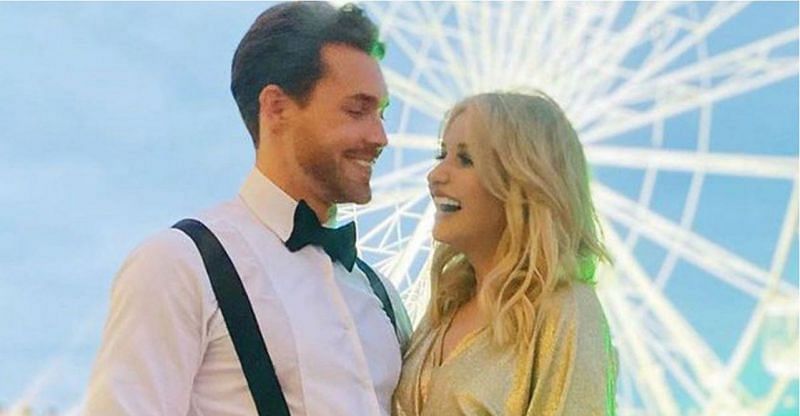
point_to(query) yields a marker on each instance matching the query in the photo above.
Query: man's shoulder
(166, 244)
(171, 245)
(404, 327)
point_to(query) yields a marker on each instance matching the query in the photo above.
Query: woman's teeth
(447, 204)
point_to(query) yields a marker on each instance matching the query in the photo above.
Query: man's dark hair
(283, 47)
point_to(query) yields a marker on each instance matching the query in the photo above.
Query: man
(311, 94)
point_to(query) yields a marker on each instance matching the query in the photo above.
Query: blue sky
(117, 121)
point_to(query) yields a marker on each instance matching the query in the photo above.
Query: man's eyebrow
(370, 100)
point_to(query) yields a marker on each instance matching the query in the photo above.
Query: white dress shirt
(166, 348)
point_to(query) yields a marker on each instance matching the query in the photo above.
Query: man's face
(339, 134)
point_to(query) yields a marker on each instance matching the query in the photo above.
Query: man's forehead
(355, 70)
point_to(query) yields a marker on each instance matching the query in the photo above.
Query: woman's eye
(440, 156)
(465, 160)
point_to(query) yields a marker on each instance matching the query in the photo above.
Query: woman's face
(468, 217)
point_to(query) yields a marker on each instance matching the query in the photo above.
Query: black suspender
(379, 290)
(241, 321)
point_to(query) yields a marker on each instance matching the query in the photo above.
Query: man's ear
(273, 106)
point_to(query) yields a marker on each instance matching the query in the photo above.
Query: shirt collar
(272, 206)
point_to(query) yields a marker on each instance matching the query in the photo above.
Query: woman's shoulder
(571, 307)
(572, 297)
(422, 335)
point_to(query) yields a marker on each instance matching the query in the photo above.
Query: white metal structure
(623, 72)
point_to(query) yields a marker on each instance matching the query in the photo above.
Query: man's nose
(378, 137)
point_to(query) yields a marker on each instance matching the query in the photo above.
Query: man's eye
(356, 111)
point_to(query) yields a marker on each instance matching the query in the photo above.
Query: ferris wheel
(630, 76)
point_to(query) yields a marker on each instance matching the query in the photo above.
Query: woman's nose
(437, 175)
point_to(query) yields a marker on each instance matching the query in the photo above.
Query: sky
(117, 121)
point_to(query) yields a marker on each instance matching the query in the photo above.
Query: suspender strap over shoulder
(379, 290)
(240, 320)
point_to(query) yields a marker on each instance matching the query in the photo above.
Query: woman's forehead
(457, 130)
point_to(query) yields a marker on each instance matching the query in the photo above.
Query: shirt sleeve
(155, 333)
(574, 364)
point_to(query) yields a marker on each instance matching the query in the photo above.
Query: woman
(513, 326)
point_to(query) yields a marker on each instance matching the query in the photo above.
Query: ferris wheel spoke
(749, 335)
(697, 33)
(417, 293)
(411, 174)
(384, 227)
(745, 69)
(414, 141)
(453, 66)
(575, 49)
(383, 252)
(391, 198)
(400, 208)
(469, 51)
(595, 76)
(553, 66)
(520, 33)
(648, 376)
(609, 59)
(682, 337)
(787, 236)
(502, 38)
(411, 93)
(420, 236)
(658, 57)
(425, 65)
(484, 40)
(435, 37)
(676, 367)
(530, 55)
(757, 56)
(541, 53)
(728, 164)
(708, 256)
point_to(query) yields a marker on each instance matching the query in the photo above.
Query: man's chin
(358, 196)
(362, 199)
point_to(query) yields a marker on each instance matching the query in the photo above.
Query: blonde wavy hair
(528, 156)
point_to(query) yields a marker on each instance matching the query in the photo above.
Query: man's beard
(321, 167)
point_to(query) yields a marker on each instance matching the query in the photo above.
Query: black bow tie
(339, 243)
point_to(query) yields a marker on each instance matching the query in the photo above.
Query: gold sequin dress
(569, 367)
